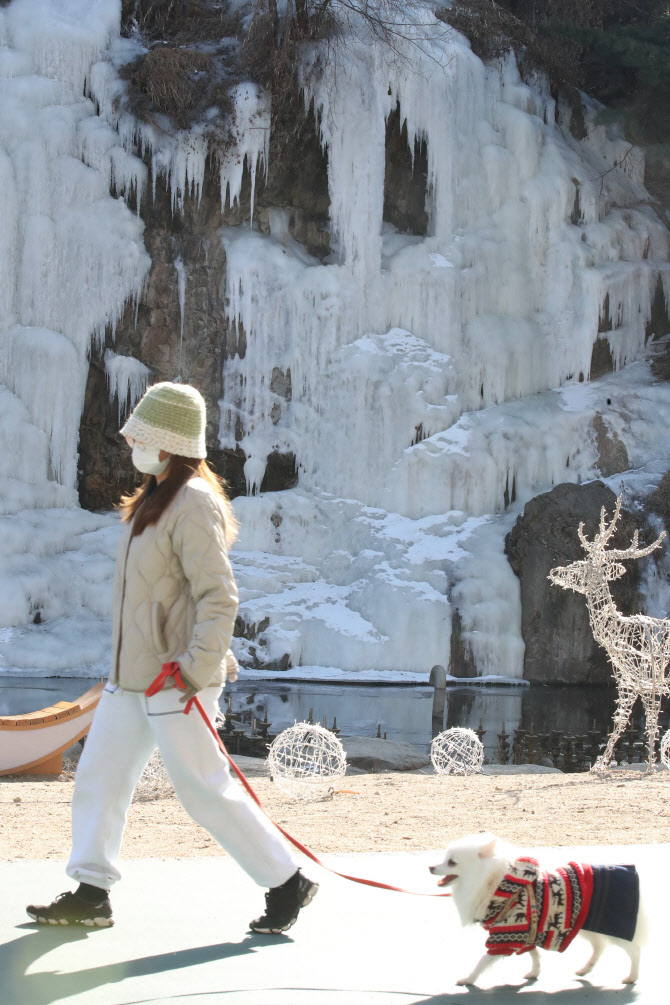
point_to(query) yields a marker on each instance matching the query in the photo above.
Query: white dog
(524, 908)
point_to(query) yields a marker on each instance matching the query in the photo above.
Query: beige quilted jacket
(175, 596)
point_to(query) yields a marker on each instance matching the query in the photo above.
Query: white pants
(126, 729)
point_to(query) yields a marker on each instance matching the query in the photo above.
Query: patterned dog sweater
(532, 908)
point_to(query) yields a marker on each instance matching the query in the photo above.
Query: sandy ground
(368, 813)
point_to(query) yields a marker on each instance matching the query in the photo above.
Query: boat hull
(34, 743)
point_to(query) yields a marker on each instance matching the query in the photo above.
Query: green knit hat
(171, 417)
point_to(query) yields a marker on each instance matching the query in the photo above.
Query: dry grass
(493, 30)
(179, 83)
(578, 12)
(659, 500)
(180, 22)
(189, 66)
(275, 65)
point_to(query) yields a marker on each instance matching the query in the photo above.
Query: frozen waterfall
(71, 256)
(430, 375)
(427, 385)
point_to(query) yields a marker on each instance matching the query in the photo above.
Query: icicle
(71, 256)
(254, 472)
(127, 380)
(181, 289)
(251, 143)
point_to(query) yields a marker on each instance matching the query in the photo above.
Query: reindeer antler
(634, 551)
(606, 532)
(587, 545)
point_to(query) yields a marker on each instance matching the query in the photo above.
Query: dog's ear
(488, 848)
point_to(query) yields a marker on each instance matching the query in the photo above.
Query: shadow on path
(18, 987)
(43, 988)
(508, 994)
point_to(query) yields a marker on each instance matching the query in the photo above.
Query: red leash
(172, 670)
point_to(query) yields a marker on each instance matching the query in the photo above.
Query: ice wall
(423, 410)
(71, 256)
(427, 385)
(502, 297)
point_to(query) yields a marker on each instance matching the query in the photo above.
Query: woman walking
(175, 601)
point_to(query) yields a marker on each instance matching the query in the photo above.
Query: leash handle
(167, 670)
(172, 670)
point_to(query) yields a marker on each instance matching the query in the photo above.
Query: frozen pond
(402, 712)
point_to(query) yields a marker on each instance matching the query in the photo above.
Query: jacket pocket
(157, 632)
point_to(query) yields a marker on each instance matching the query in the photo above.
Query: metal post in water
(438, 681)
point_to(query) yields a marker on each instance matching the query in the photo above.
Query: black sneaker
(71, 909)
(283, 903)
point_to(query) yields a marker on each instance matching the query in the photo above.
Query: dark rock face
(659, 322)
(612, 453)
(660, 364)
(298, 183)
(152, 335)
(105, 470)
(659, 501)
(405, 178)
(601, 358)
(461, 660)
(560, 648)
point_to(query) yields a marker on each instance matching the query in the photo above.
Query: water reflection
(535, 709)
(402, 712)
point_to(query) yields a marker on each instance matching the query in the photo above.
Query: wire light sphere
(665, 749)
(457, 751)
(305, 760)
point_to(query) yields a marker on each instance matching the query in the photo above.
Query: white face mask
(147, 461)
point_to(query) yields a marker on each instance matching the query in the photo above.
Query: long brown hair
(148, 502)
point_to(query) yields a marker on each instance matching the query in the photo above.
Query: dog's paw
(465, 982)
(631, 979)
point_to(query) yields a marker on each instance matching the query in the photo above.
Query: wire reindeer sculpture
(638, 646)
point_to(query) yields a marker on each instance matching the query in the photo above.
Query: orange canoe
(34, 743)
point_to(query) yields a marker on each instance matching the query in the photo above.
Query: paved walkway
(180, 937)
